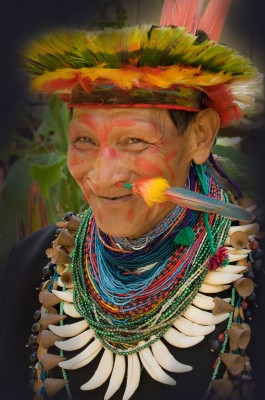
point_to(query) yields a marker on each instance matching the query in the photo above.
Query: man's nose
(108, 168)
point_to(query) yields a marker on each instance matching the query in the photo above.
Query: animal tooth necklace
(127, 300)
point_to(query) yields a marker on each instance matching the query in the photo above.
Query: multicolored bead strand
(122, 317)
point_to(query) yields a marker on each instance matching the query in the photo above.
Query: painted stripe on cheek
(167, 159)
(148, 166)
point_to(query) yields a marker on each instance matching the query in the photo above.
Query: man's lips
(115, 198)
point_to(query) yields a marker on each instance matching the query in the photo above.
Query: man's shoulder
(43, 235)
(31, 250)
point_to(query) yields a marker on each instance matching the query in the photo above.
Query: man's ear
(205, 129)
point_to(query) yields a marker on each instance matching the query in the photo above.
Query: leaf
(47, 175)
(70, 196)
(61, 117)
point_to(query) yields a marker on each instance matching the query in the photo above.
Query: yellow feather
(152, 190)
(129, 77)
(121, 78)
(65, 73)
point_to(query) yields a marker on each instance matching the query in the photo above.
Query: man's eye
(135, 140)
(84, 140)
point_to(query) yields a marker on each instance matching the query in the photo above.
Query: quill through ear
(157, 190)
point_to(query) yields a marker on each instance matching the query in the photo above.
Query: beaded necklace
(129, 296)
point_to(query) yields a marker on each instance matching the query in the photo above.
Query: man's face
(107, 146)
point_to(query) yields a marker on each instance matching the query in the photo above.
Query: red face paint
(148, 166)
(109, 152)
(168, 157)
(130, 215)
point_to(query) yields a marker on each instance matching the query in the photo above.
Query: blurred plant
(45, 155)
(240, 167)
(38, 183)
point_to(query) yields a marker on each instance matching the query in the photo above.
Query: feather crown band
(143, 66)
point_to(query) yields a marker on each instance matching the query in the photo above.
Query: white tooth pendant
(201, 317)
(203, 302)
(102, 372)
(67, 295)
(191, 328)
(83, 358)
(206, 288)
(117, 376)
(69, 330)
(133, 375)
(232, 250)
(236, 257)
(76, 342)
(180, 340)
(234, 269)
(217, 278)
(166, 359)
(152, 367)
(69, 309)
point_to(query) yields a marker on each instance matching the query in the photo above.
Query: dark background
(21, 20)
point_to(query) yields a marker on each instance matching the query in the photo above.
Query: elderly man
(138, 294)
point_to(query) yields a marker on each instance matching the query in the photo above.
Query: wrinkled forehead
(129, 113)
(121, 117)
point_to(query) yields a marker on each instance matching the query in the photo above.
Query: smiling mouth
(126, 197)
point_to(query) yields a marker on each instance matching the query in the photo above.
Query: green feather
(144, 45)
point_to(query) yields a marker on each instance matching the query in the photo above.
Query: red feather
(214, 17)
(221, 99)
(58, 84)
(185, 13)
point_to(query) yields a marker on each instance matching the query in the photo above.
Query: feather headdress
(174, 67)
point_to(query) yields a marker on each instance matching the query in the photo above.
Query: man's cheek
(86, 193)
(170, 161)
(76, 164)
(149, 168)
